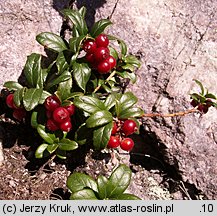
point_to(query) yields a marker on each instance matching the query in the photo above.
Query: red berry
(203, 108)
(52, 102)
(194, 103)
(71, 109)
(89, 46)
(112, 61)
(103, 67)
(129, 127)
(19, 114)
(102, 40)
(114, 129)
(90, 57)
(101, 53)
(66, 126)
(209, 102)
(114, 142)
(10, 101)
(127, 144)
(60, 115)
(52, 125)
(49, 114)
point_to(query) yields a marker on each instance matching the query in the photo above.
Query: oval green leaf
(133, 112)
(127, 196)
(102, 186)
(39, 153)
(99, 27)
(67, 145)
(12, 85)
(49, 138)
(85, 194)
(18, 96)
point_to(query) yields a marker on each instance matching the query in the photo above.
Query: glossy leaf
(82, 11)
(133, 112)
(81, 73)
(102, 186)
(132, 60)
(209, 95)
(18, 96)
(61, 63)
(31, 98)
(127, 100)
(85, 194)
(127, 196)
(99, 118)
(89, 104)
(74, 94)
(201, 86)
(34, 119)
(101, 136)
(12, 85)
(83, 135)
(129, 75)
(113, 52)
(49, 138)
(51, 41)
(110, 101)
(118, 181)
(64, 89)
(77, 19)
(39, 153)
(67, 144)
(75, 43)
(44, 95)
(99, 27)
(52, 148)
(33, 72)
(121, 43)
(79, 181)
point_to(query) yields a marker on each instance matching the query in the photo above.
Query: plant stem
(151, 115)
(110, 76)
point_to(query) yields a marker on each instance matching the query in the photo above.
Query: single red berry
(194, 103)
(114, 129)
(52, 125)
(49, 114)
(203, 108)
(112, 61)
(129, 127)
(66, 126)
(209, 102)
(52, 102)
(71, 109)
(89, 46)
(102, 40)
(19, 114)
(127, 144)
(60, 115)
(103, 67)
(114, 142)
(90, 57)
(101, 53)
(10, 101)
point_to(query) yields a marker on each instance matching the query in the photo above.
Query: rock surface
(176, 41)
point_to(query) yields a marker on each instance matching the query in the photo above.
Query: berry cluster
(18, 112)
(98, 54)
(58, 116)
(126, 128)
(202, 107)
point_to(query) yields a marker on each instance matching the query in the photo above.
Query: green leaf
(75, 43)
(127, 196)
(99, 27)
(89, 104)
(52, 148)
(79, 181)
(34, 119)
(85, 194)
(49, 138)
(12, 85)
(127, 100)
(133, 112)
(121, 43)
(39, 153)
(99, 118)
(33, 72)
(82, 11)
(200, 85)
(61, 154)
(51, 41)
(132, 60)
(61, 63)
(209, 95)
(102, 186)
(77, 19)
(101, 136)
(74, 94)
(64, 89)
(44, 95)
(81, 73)
(56, 79)
(18, 96)
(67, 144)
(118, 181)
(113, 52)
(31, 98)
(129, 75)
(83, 135)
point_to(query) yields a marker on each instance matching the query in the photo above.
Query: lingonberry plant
(78, 98)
